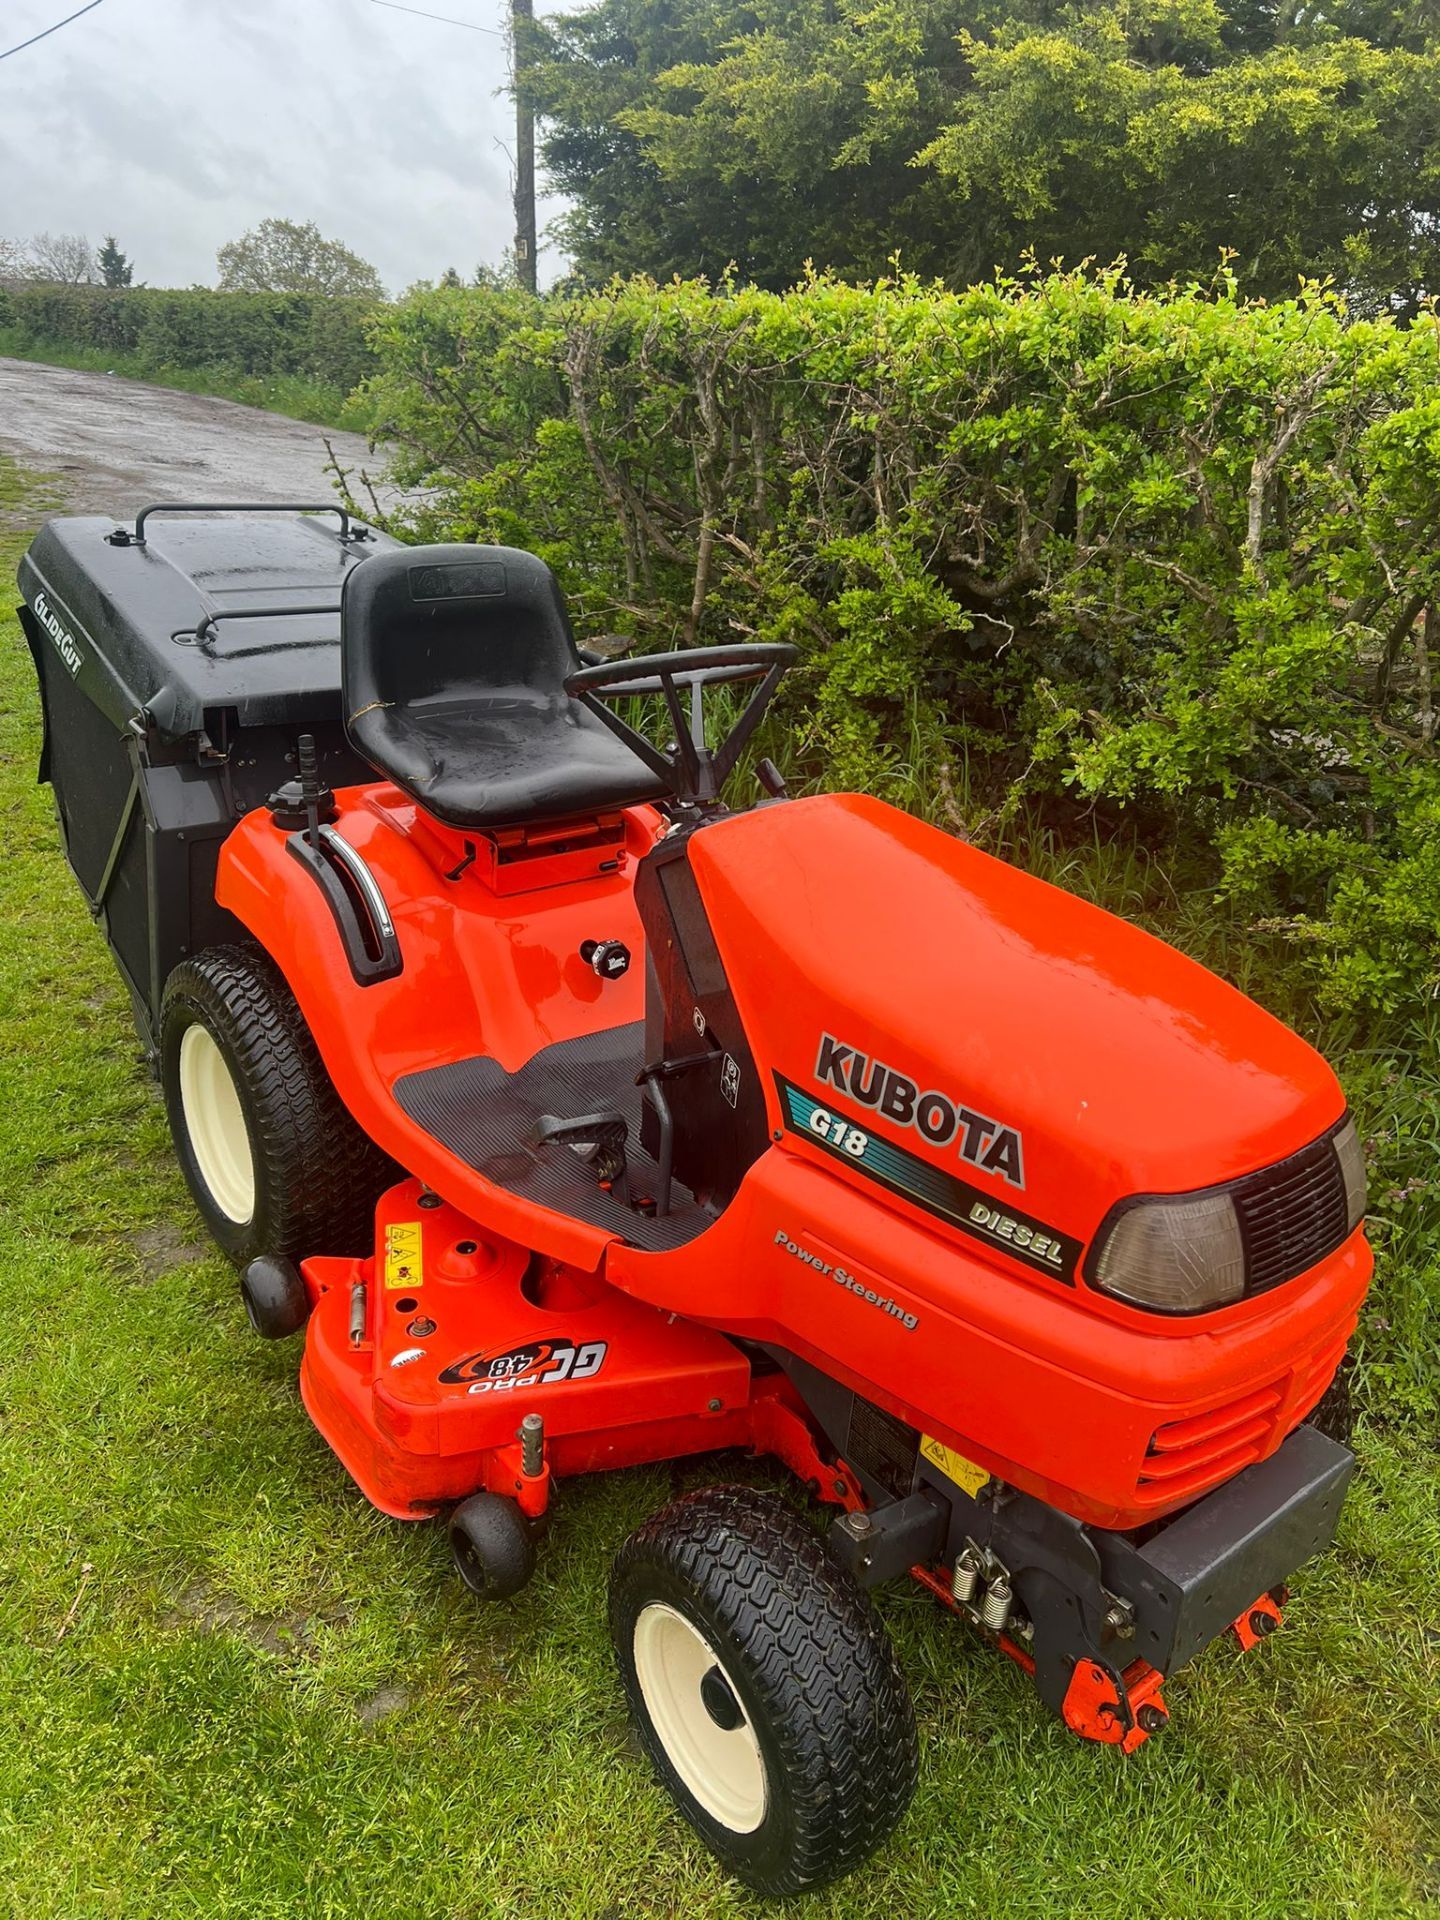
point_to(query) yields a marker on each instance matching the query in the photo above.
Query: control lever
(772, 779)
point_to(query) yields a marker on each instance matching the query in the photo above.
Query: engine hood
(987, 1024)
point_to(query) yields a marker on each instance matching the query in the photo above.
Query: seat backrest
(420, 624)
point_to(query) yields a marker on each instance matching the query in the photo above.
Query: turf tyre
(312, 1177)
(809, 1665)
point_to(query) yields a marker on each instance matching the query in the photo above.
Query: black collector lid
(132, 621)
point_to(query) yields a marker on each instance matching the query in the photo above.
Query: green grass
(229, 1688)
(294, 395)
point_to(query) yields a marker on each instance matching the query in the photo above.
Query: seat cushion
(453, 669)
(501, 758)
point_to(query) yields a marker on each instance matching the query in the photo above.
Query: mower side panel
(1028, 1385)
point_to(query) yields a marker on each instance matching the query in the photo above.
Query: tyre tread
(819, 1657)
(314, 1160)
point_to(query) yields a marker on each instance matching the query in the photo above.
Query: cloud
(178, 124)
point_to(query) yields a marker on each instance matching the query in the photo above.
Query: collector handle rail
(204, 632)
(137, 538)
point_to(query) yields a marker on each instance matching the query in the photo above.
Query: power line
(420, 14)
(522, 19)
(49, 30)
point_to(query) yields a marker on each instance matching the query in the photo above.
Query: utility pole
(522, 20)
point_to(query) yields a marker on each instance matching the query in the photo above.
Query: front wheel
(764, 1687)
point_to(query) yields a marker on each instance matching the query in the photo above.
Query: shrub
(246, 333)
(1172, 554)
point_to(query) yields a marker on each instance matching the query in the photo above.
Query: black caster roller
(276, 1303)
(492, 1545)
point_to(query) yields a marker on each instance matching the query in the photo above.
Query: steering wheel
(692, 771)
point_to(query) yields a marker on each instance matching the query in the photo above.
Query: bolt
(531, 1435)
(429, 1200)
(859, 1524)
(840, 1488)
(712, 1406)
(1150, 1718)
(1262, 1623)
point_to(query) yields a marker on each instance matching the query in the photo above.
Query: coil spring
(965, 1578)
(995, 1607)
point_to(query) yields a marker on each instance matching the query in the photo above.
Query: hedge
(248, 333)
(1049, 538)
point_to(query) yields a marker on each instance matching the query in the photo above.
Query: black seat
(453, 662)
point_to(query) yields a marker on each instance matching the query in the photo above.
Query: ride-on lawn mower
(582, 1122)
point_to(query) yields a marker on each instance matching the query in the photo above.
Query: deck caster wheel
(492, 1546)
(276, 1303)
(764, 1688)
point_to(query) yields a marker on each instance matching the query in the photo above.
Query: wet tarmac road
(116, 444)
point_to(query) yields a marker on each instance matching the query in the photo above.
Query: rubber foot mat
(485, 1116)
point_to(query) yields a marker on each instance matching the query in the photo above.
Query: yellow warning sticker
(954, 1465)
(404, 1255)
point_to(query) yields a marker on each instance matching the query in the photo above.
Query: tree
(115, 269)
(964, 133)
(64, 259)
(1314, 160)
(281, 256)
(12, 261)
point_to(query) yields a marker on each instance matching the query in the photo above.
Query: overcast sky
(178, 124)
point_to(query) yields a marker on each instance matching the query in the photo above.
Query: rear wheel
(764, 1688)
(275, 1162)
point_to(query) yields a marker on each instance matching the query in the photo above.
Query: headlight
(1181, 1256)
(1191, 1252)
(1352, 1166)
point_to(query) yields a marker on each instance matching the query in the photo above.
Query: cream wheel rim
(215, 1125)
(720, 1765)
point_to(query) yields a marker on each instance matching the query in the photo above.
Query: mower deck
(415, 1363)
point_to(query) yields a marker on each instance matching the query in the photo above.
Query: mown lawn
(227, 1687)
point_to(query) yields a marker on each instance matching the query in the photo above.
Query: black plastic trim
(322, 861)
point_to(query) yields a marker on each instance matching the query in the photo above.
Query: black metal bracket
(694, 772)
(884, 1543)
(652, 1078)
